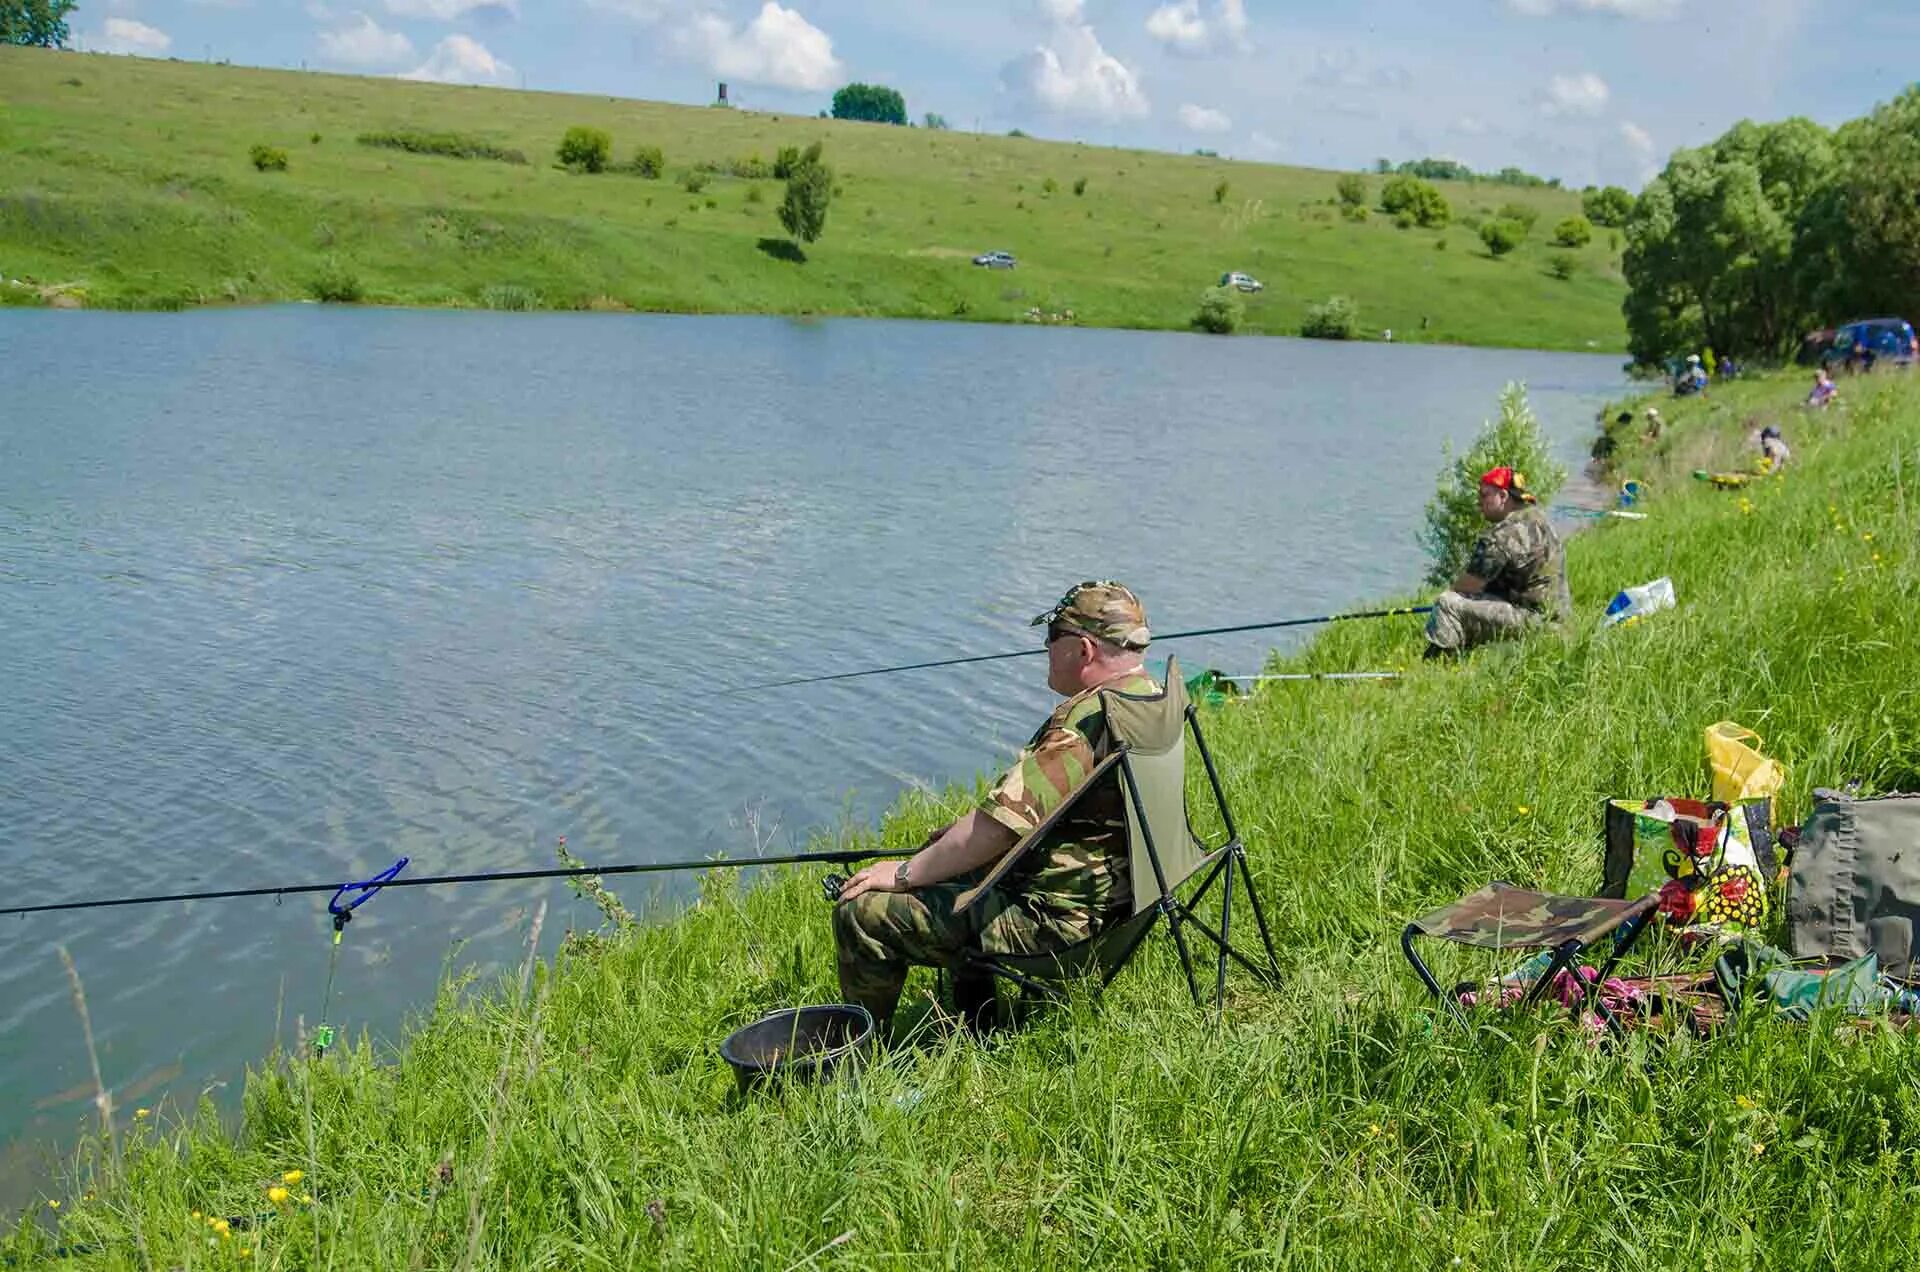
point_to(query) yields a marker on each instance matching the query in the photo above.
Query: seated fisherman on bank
(1515, 579)
(895, 914)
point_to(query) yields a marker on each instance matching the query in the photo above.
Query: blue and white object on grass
(1638, 602)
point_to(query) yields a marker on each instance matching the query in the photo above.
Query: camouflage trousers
(879, 935)
(1460, 622)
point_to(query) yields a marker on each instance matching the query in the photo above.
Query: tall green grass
(127, 180)
(584, 1120)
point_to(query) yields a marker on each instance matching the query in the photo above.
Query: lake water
(288, 593)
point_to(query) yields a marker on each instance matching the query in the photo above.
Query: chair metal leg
(1259, 916)
(1226, 942)
(1173, 910)
(1426, 976)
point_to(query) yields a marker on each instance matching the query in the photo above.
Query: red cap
(1504, 478)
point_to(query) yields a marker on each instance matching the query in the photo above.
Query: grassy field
(128, 183)
(582, 1119)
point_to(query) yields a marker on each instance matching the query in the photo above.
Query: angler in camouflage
(891, 916)
(1516, 577)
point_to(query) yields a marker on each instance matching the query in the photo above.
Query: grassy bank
(1334, 1123)
(129, 184)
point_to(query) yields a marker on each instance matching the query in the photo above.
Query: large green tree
(1859, 243)
(41, 23)
(875, 103)
(1711, 243)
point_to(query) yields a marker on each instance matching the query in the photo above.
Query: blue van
(1886, 339)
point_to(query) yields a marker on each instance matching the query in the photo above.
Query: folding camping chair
(1163, 853)
(1503, 917)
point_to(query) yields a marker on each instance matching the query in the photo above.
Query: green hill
(128, 183)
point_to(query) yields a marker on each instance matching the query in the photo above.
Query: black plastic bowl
(803, 1043)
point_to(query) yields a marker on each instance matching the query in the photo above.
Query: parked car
(1242, 282)
(995, 260)
(1888, 340)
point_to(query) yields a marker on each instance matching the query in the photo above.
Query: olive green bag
(1854, 885)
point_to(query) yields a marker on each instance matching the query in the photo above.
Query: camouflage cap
(1103, 608)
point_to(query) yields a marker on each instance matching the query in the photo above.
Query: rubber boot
(975, 1001)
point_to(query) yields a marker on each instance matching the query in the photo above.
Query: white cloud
(778, 48)
(365, 43)
(1619, 8)
(1471, 126)
(1582, 94)
(1204, 119)
(460, 59)
(1638, 138)
(1073, 74)
(452, 10)
(124, 35)
(1344, 68)
(1182, 28)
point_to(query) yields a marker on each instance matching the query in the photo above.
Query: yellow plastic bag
(1739, 770)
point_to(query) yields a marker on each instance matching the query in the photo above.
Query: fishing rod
(1028, 653)
(1318, 675)
(388, 879)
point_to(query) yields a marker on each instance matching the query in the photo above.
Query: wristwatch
(900, 881)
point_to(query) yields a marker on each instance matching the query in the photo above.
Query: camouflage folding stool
(1163, 854)
(1503, 917)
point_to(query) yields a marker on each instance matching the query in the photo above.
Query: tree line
(1746, 243)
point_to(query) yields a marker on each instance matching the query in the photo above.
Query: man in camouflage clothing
(895, 914)
(1516, 577)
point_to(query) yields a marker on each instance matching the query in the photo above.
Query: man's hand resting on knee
(969, 843)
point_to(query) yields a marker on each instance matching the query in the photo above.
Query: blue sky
(1587, 90)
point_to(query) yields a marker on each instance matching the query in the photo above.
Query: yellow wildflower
(140, 1113)
(1867, 537)
(1758, 1149)
(221, 1226)
(52, 1204)
(306, 1199)
(293, 1177)
(1745, 1101)
(246, 1252)
(1524, 810)
(277, 1195)
(196, 1214)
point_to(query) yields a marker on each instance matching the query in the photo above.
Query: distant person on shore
(1774, 453)
(1515, 579)
(1691, 380)
(894, 915)
(1654, 423)
(1824, 389)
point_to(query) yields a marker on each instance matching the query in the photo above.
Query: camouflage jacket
(1082, 871)
(1522, 562)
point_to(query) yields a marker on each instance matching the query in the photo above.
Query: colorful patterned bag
(1711, 860)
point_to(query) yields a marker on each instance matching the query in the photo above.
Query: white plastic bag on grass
(1638, 602)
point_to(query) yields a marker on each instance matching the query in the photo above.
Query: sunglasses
(1056, 632)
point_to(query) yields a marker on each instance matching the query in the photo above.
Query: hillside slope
(128, 183)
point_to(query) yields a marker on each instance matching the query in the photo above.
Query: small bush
(1049, 186)
(1220, 311)
(1502, 236)
(1220, 192)
(1080, 185)
(1420, 199)
(649, 162)
(751, 168)
(587, 149)
(511, 297)
(1519, 212)
(1405, 219)
(1439, 245)
(336, 284)
(754, 195)
(1355, 211)
(313, 139)
(1352, 190)
(693, 181)
(1575, 231)
(446, 145)
(1562, 265)
(1336, 318)
(268, 158)
(785, 161)
(1453, 515)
